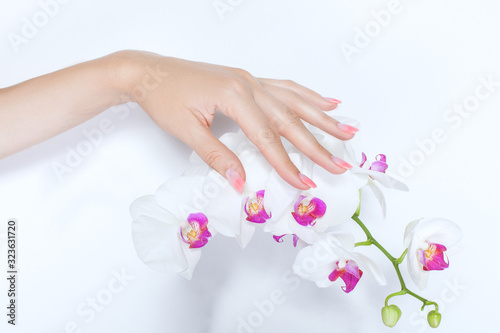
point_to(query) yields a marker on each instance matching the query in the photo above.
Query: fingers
(216, 154)
(262, 133)
(310, 112)
(288, 124)
(324, 103)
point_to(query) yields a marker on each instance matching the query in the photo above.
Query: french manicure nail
(341, 163)
(306, 180)
(347, 128)
(333, 100)
(235, 179)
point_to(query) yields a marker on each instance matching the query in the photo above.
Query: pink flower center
(254, 208)
(349, 272)
(433, 258)
(307, 210)
(195, 231)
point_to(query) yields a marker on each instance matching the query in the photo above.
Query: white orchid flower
(169, 229)
(427, 241)
(308, 214)
(333, 257)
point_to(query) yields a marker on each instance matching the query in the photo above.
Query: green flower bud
(390, 315)
(434, 318)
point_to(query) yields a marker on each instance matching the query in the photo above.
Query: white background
(74, 230)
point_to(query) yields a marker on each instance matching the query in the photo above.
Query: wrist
(122, 68)
(134, 74)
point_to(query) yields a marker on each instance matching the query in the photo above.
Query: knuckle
(323, 118)
(236, 86)
(289, 83)
(213, 158)
(266, 137)
(288, 164)
(295, 95)
(290, 121)
(318, 148)
(243, 74)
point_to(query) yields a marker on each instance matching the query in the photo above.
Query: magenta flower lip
(379, 165)
(434, 258)
(279, 239)
(196, 233)
(306, 212)
(350, 274)
(254, 208)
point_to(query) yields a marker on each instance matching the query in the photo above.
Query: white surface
(74, 232)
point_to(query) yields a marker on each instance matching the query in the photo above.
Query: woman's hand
(182, 96)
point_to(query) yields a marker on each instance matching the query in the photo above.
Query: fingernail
(306, 180)
(333, 100)
(347, 128)
(341, 163)
(235, 179)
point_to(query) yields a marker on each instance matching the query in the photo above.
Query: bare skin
(181, 97)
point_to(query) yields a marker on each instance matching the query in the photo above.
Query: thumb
(217, 156)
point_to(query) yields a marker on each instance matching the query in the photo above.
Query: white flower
(332, 257)
(373, 174)
(169, 229)
(308, 214)
(427, 240)
(365, 174)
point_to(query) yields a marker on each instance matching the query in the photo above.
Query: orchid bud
(434, 318)
(390, 315)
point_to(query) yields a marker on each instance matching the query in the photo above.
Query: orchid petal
(363, 160)
(148, 206)
(257, 170)
(379, 195)
(333, 145)
(225, 212)
(369, 266)
(182, 195)
(245, 235)
(350, 155)
(387, 181)
(192, 257)
(279, 195)
(313, 266)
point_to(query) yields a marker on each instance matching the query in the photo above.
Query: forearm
(40, 108)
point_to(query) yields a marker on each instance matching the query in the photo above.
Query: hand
(182, 97)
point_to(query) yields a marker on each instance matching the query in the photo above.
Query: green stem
(365, 243)
(370, 240)
(400, 259)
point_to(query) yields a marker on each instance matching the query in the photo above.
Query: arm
(181, 97)
(43, 107)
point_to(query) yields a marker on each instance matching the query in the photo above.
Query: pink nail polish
(235, 179)
(341, 163)
(306, 180)
(333, 100)
(347, 128)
